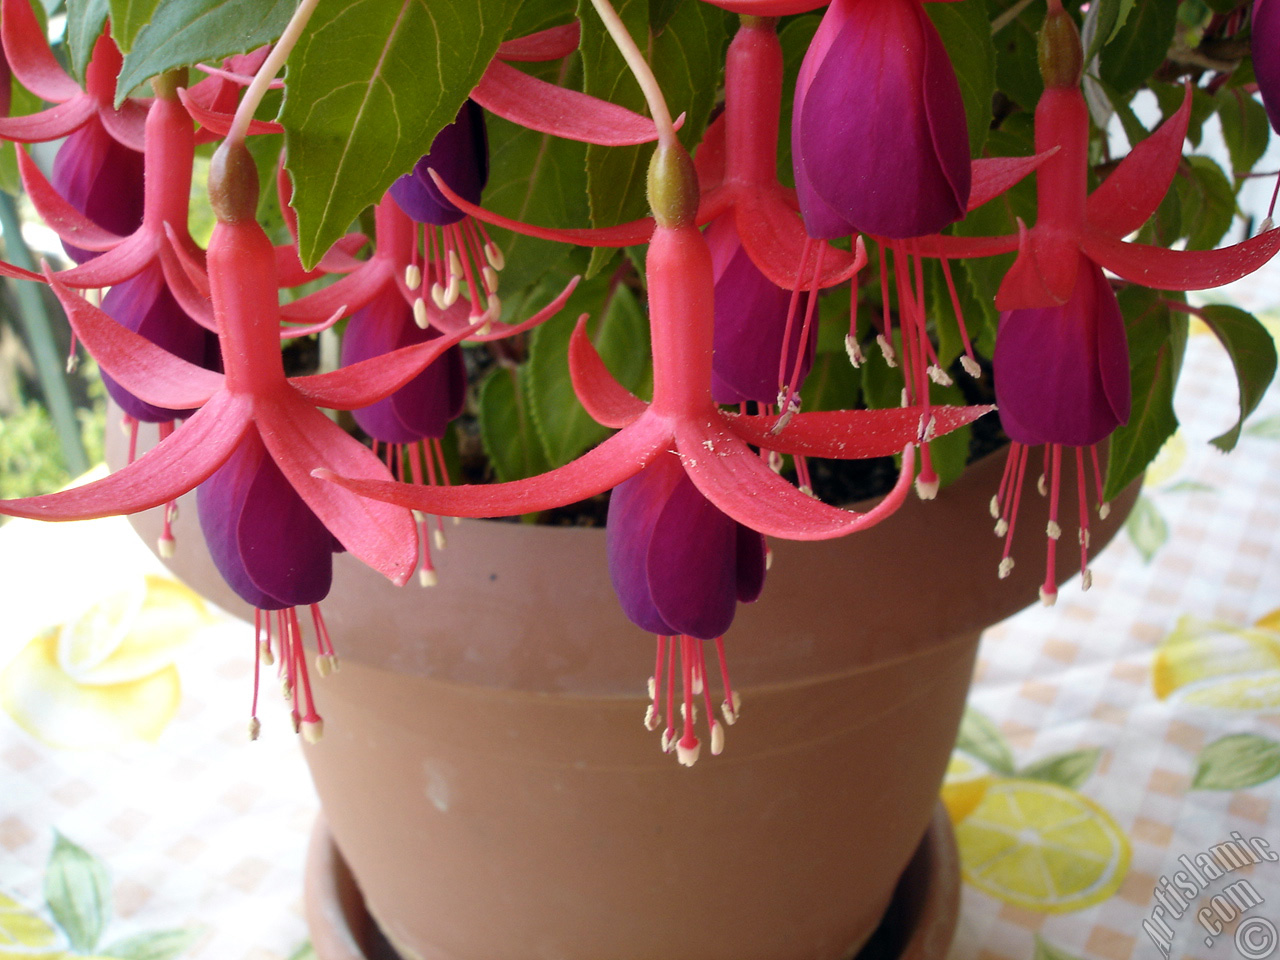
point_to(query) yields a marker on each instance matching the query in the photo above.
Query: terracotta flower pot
(486, 774)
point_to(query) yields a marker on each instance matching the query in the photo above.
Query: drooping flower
(1062, 372)
(460, 154)
(879, 138)
(1265, 48)
(101, 178)
(754, 318)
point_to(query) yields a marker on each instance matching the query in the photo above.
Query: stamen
(412, 276)
(732, 705)
(493, 254)
(854, 350)
(420, 316)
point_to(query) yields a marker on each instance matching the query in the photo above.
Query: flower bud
(673, 186)
(1060, 53)
(233, 183)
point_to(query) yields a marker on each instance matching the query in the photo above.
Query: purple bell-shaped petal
(751, 322)
(679, 565)
(879, 139)
(102, 179)
(267, 544)
(424, 406)
(1062, 372)
(1265, 47)
(144, 304)
(460, 155)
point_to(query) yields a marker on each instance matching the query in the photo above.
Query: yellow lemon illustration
(1215, 664)
(1168, 461)
(1042, 847)
(965, 784)
(23, 935)
(108, 676)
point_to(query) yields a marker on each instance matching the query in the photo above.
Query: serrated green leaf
(532, 17)
(1017, 67)
(619, 329)
(1110, 16)
(1253, 355)
(1235, 762)
(1245, 128)
(127, 18)
(369, 86)
(1157, 341)
(85, 20)
(506, 429)
(979, 737)
(966, 32)
(1268, 428)
(1146, 528)
(184, 32)
(1139, 46)
(154, 945)
(78, 893)
(1068, 770)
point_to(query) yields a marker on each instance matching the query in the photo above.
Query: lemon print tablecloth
(1115, 789)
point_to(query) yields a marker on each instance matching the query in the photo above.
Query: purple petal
(1062, 372)
(424, 406)
(750, 323)
(881, 128)
(267, 544)
(460, 155)
(634, 508)
(1266, 56)
(751, 564)
(144, 305)
(102, 179)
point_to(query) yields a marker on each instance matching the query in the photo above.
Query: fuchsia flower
(460, 154)
(102, 179)
(878, 137)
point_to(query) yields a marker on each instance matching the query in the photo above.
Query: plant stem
(267, 72)
(640, 69)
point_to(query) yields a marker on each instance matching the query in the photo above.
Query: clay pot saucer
(918, 925)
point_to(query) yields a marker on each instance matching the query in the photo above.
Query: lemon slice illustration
(1215, 664)
(964, 787)
(24, 935)
(1041, 846)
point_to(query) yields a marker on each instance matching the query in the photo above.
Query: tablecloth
(1114, 790)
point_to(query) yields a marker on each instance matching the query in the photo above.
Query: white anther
(1042, 485)
(768, 558)
(697, 686)
(452, 292)
(688, 756)
(1002, 527)
(994, 507)
(930, 430)
(437, 296)
(684, 712)
(807, 490)
(970, 366)
(412, 276)
(651, 718)
(490, 279)
(717, 739)
(939, 376)
(286, 688)
(1083, 538)
(455, 264)
(427, 578)
(166, 547)
(265, 656)
(420, 316)
(438, 538)
(926, 489)
(652, 686)
(668, 740)
(1086, 578)
(255, 728)
(1005, 568)
(1053, 529)
(493, 253)
(73, 362)
(775, 461)
(886, 348)
(854, 350)
(322, 665)
(312, 730)
(1266, 224)
(1047, 597)
(1104, 511)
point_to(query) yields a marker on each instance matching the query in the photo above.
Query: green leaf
(1068, 770)
(78, 892)
(980, 738)
(832, 384)
(1191, 486)
(85, 19)
(369, 86)
(304, 952)
(1244, 128)
(533, 17)
(619, 329)
(966, 32)
(1047, 951)
(1208, 202)
(22, 102)
(1170, 97)
(1146, 528)
(1235, 762)
(127, 18)
(184, 32)
(1110, 16)
(155, 945)
(1017, 67)
(686, 58)
(1139, 46)
(1253, 354)
(1157, 341)
(1268, 428)
(795, 37)
(506, 429)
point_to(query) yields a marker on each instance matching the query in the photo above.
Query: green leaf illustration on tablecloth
(1267, 428)
(77, 891)
(1213, 663)
(1146, 526)
(1237, 761)
(1028, 836)
(1047, 951)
